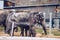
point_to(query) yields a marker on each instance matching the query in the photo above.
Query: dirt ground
(37, 35)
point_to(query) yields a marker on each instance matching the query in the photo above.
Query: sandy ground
(37, 35)
(26, 38)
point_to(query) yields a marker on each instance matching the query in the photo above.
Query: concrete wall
(31, 2)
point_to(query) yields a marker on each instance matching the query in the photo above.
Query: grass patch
(55, 32)
(40, 30)
(1, 28)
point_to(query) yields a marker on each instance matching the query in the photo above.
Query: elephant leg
(29, 32)
(33, 34)
(4, 27)
(26, 30)
(13, 32)
(9, 31)
(22, 31)
(16, 28)
(43, 25)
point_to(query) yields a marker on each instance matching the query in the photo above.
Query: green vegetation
(55, 32)
(40, 30)
(1, 28)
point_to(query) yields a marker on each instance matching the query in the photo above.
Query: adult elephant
(3, 20)
(34, 18)
(19, 19)
(39, 19)
(9, 23)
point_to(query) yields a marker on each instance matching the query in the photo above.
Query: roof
(42, 5)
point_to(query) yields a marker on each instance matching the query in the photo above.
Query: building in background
(33, 2)
(8, 3)
(22, 3)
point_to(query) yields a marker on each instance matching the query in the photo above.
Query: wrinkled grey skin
(3, 17)
(31, 19)
(4, 22)
(19, 21)
(9, 23)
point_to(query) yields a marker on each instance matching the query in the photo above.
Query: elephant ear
(16, 17)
